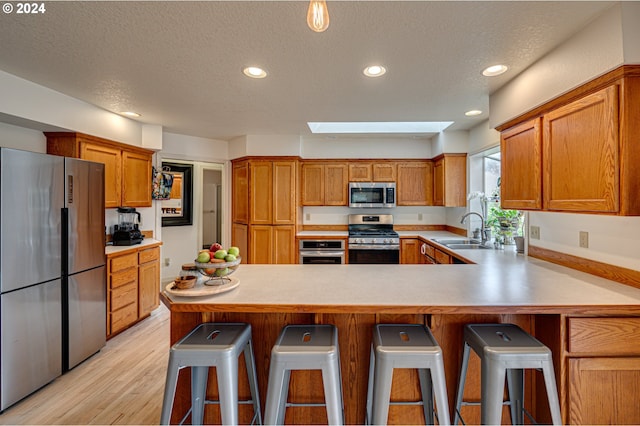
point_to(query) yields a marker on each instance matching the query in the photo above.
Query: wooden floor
(122, 384)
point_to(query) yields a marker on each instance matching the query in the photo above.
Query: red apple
(215, 247)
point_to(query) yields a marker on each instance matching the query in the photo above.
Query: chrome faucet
(484, 234)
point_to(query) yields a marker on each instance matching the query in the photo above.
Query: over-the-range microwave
(372, 194)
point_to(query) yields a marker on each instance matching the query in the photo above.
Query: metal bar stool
(406, 346)
(505, 349)
(305, 347)
(213, 345)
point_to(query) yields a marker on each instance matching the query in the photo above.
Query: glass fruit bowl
(218, 272)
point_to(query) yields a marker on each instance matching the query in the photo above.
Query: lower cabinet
(272, 244)
(133, 287)
(410, 251)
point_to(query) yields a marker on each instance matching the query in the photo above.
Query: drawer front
(123, 262)
(122, 278)
(123, 296)
(442, 257)
(430, 251)
(149, 255)
(607, 336)
(124, 317)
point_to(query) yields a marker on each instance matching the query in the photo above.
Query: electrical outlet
(584, 239)
(167, 261)
(307, 217)
(534, 232)
(420, 217)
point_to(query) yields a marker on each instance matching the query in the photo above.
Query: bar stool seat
(212, 345)
(405, 346)
(505, 350)
(305, 347)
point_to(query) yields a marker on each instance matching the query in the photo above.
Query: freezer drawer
(87, 314)
(31, 329)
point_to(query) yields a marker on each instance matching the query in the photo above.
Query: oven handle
(374, 247)
(321, 253)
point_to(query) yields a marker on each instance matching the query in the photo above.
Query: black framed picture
(177, 209)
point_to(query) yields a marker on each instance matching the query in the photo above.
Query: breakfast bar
(592, 326)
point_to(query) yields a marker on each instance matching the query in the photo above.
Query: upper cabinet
(415, 183)
(127, 168)
(324, 183)
(450, 180)
(369, 171)
(578, 153)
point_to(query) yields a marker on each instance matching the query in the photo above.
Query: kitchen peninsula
(591, 324)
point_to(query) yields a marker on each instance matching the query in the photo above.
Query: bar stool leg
(515, 384)
(332, 392)
(250, 362)
(372, 366)
(552, 392)
(199, 378)
(439, 388)
(277, 394)
(492, 384)
(227, 374)
(381, 391)
(427, 394)
(461, 382)
(169, 390)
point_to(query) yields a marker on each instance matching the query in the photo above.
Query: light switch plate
(584, 239)
(534, 232)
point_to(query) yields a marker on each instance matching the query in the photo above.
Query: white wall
(373, 147)
(483, 137)
(21, 138)
(450, 142)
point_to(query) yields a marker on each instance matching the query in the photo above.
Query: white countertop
(111, 250)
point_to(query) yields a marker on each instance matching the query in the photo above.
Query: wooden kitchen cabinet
(372, 171)
(133, 280)
(450, 180)
(578, 152)
(603, 370)
(127, 168)
(265, 208)
(415, 183)
(324, 183)
(521, 166)
(410, 251)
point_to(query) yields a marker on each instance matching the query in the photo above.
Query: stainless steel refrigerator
(52, 268)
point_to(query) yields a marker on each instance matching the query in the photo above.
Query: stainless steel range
(372, 239)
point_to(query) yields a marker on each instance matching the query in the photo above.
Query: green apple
(222, 272)
(203, 257)
(234, 251)
(220, 254)
(230, 258)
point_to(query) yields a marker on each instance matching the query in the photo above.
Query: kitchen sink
(466, 246)
(444, 242)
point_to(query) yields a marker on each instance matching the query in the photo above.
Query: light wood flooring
(122, 384)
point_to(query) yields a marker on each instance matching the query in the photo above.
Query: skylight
(379, 127)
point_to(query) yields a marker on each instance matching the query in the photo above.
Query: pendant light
(318, 15)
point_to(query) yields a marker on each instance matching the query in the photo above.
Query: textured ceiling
(179, 63)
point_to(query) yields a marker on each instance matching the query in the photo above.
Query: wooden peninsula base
(596, 347)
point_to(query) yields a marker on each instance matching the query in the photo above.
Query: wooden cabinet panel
(336, 185)
(136, 179)
(442, 257)
(312, 182)
(410, 251)
(581, 155)
(148, 255)
(123, 318)
(604, 391)
(284, 244)
(125, 261)
(415, 183)
(112, 160)
(360, 172)
(240, 199)
(438, 182)
(260, 244)
(260, 201)
(240, 239)
(521, 166)
(124, 295)
(122, 278)
(604, 336)
(384, 172)
(148, 287)
(284, 192)
(450, 180)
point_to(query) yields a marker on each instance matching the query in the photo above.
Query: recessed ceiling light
(494, 70)
(473, 113)
(254, 72)
(374, 71)
(130, 114)
(379, 127)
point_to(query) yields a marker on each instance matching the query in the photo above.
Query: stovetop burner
(373, 232)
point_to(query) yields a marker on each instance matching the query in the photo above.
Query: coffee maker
(127, 232)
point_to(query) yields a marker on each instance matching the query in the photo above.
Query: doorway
(211, 206)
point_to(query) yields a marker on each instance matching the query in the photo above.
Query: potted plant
(506, 224)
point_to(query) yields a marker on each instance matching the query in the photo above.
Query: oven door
(320, 257)
(374, 256)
